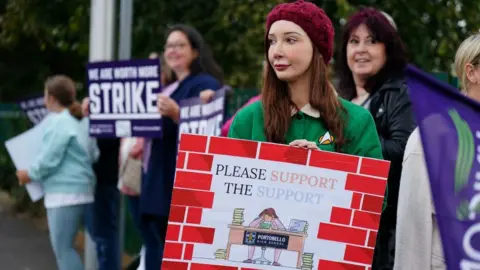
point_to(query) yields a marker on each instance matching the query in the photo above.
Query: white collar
(308, 110)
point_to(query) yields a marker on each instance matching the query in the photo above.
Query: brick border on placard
(356, 226)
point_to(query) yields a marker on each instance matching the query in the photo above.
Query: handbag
(131, 175)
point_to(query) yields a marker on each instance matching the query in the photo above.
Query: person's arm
(136, 151)
(206, 83)
(52, 152)
(278, 224)
(255, 223)
(415, 216)
(169, 107)
(400, 125)
(92, 147)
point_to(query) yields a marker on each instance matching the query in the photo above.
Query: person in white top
(418, 243)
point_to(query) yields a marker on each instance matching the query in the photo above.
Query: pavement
(24, 243)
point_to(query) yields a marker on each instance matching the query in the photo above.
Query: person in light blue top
(64, 168)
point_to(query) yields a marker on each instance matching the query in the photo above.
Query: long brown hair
(277, 102)
(62, 88)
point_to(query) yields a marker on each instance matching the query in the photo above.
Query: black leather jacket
(391, 108)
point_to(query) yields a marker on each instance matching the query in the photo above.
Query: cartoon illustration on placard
(267, 219)
(267, 231)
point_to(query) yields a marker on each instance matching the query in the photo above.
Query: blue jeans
(102, 226)
(63, 224)
(153, 230)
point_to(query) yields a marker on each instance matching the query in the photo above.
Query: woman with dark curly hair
(370, 69)
(299, 106)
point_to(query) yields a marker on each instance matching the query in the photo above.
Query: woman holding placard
(194, 70)
(64, 168)
(299, 106)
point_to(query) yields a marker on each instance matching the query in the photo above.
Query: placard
(240, 204)
(34, 108)
(23, 150)
(123, 98)
(201, 118)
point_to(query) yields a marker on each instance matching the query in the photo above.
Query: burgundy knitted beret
(311, 19)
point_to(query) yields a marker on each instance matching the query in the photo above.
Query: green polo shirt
(360, 132)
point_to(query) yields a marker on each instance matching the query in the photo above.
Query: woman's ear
(470, 73)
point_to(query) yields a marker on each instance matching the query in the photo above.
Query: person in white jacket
(418, 243)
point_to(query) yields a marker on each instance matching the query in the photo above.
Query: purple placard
(123, 98)
(201, 118)
(449, 125)
(34, 108)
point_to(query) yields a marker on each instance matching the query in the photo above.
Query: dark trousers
(384, 254)
(153, 230)
(103, 226)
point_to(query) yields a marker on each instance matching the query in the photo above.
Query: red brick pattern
(173, 232)
(374, 167)
(356, 226)
(193, 180)
(198, 234)
(174, 265)
(193, 143)
(194, 215)
(358, 254)
(201, 266)
(173, 250)
(239, 148)
(199, 162)
(356, 200)
(366, 220)
(372, 204)
(188, 254)
(181, 160)
(372, 238)
(195, 198)
(344, 234)
(365, 184)
(329, 160)
(283, 153)
(177, 213)
(329, 265)
(341, 215)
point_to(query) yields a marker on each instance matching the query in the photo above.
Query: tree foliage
(39, 38)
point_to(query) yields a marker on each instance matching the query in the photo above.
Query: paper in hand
(23, 149)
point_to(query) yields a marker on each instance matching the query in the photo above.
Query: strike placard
(197, 117)
(123, 98)
(34, 108)
(240, 204)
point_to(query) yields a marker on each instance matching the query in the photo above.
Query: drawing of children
(267, 219)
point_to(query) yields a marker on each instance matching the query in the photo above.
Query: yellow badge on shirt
(326, 139)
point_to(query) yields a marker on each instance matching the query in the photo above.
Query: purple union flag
(449, 124)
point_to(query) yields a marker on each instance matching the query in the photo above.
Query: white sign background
(220, 216)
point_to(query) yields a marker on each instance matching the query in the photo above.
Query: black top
(391, 109)
(106, 168)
